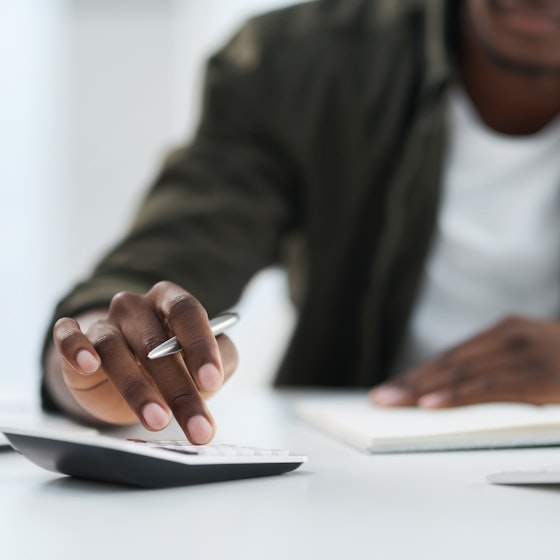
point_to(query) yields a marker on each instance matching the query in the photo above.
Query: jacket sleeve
(220, 207)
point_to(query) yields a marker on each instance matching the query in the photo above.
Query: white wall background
(92, 94)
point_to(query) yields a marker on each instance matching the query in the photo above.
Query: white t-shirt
(496, 249)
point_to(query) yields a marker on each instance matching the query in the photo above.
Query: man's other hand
(517, 360)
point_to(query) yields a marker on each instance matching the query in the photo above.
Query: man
(401, 157)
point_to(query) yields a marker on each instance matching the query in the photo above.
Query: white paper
(355, 420)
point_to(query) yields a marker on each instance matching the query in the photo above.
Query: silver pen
(218, 325)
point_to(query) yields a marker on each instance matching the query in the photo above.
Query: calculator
(147, 463)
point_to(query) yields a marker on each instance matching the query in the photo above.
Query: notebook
(371, 429)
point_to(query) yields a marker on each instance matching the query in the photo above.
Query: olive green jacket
(320, 146)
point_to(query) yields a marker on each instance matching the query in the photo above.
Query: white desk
(341, 505)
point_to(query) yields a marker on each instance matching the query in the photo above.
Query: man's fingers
(406, 389)
(436, 376)
(183, 397)
(170, 374)
(166, 386)
(496, 386)
(229, 359)
(449, 381)
(74, 346)
(392, 394)
(187, 319)
(228, 353)
(128, 378)
(514, 360)
(499, 378)
(108, 372)
(451, 368)
(81, 364)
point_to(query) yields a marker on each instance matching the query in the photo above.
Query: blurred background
(93, 93)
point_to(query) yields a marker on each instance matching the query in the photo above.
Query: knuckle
(67, 340)
(512, 318)
(161, 287)
(183, 304)
(516, 339)
(134, 391)
(510, 323)
(183, 400)
(108, 342)
(61, 323)
(198, 345)
(122, 301)
(515, 335)
(151, 342)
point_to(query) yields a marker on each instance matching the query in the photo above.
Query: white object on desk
(544, 474)
(23, 410)
(342, 504)
(146, 463)
(374, 429)
(16, 407)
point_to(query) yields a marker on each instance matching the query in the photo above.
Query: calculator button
(226, 450)
(184, 446)
(263, 452)
(245, 451)
(280, 452)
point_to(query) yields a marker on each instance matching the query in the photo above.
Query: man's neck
(508, 101)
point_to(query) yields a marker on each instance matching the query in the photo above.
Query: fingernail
(210, 377)
(87, 362)
(388, 395)
(433, 400)
(200, 430)
(155, 417)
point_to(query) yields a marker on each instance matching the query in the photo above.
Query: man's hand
(517, 360)
(103, 361)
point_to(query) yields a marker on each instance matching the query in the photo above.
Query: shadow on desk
(543, 488)
(81, 485)
(70, 484)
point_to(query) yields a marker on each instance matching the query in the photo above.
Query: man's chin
(526, 36)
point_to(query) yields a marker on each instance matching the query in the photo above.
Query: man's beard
(528, 69)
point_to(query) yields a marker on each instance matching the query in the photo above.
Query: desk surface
(340, 505)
